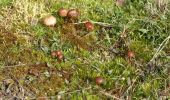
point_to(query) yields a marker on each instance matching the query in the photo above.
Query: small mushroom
(62, 12)
(60, 57)
(50, 21)
(73, 13)
(53, 54)
(56, 53)
(89, 26)
(131, 54)
(99, 80)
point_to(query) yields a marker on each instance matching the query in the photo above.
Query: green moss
(25, 40)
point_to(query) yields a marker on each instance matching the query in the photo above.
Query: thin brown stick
(12, 66)
(98, 23)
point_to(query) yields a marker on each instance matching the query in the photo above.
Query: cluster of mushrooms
(51, 21)
(72, 14)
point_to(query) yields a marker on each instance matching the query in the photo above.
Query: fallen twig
(98, 23)
(21, 65)
(12, 66)
(103, 24)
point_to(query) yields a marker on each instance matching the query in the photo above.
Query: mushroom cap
(50, 20)
(73, 13)
(89, 26)
(99, 80)
(62, 12)
(131, 54)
